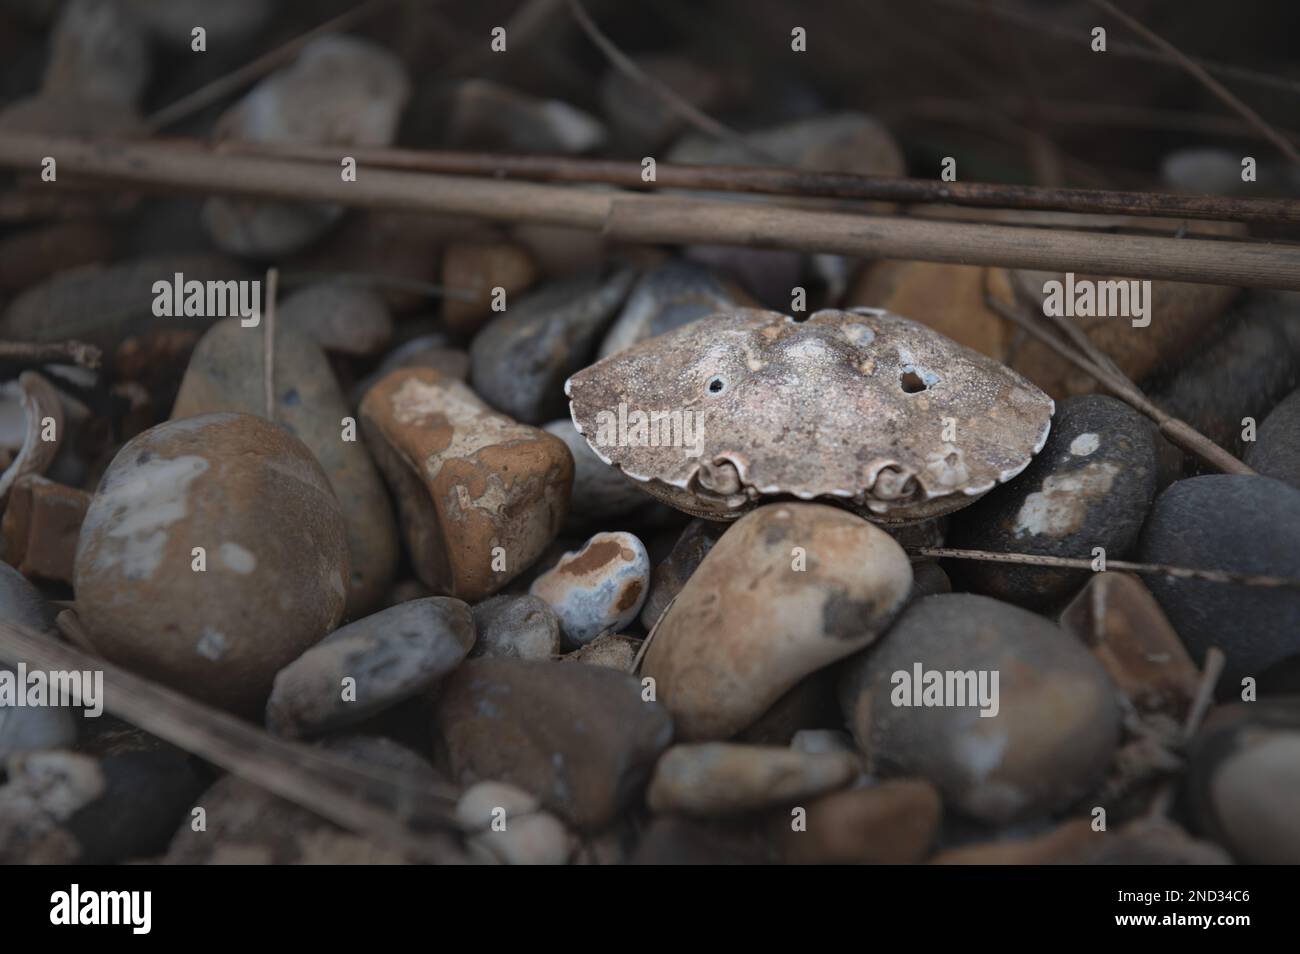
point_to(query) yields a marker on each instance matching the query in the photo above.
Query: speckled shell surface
(863, 406)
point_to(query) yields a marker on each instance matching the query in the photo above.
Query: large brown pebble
(788, 589)
(580, 738)
(948, 298)
(1053, 714)
(225, 374)
(275, 551)
(477, 268)
(481, 495)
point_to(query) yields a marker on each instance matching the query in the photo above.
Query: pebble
(1091, 486)
(516, 627)
(486, 116)
(580, 738)
(611, 651)
(1229, 522)
(481, 496)
(892, 823)
(519, 362)
(41, 526)
(711, 779)
(340, 91)
(1056, 724)
(341, 318)
(31, 256)
(225, 373)
(750, 623)
(675, 569)
(60, 807)
(275, 551)
(1276, 450)
(389, 656)
(947, 298)
(511, 827)
(98, 54)
(831, 142)
(29, 728)
(1116, 617)
(1181, 315)
(598, 589)
(1242, 782)
(1244, 371)
(666, 298)
(604, 490)
(1204, 170)
(479, 268)
(822, 740)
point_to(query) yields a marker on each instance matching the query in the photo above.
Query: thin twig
(787, 181)
(390, 806)
(249, 73)
(1204, 78)
(656, 219)
(1210, 673)
(1085, 563)
(649, 637)
(268, 345)
(688, 112)
(78, 352)
(1177, 431)
(1070, 35)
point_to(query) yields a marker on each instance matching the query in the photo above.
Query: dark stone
(519, 362)
(580, 738)
(1229, 522)
(1276, 450)
(1090, 486)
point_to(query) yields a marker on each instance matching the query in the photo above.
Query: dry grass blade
(233, 82)
(1085, 563)
(769, 180)
(691, 114)
(1178, 432)
(407, 815)
(1204, 78)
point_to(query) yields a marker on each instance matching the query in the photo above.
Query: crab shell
(865, 407)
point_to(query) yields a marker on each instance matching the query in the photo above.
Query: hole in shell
(716, 384)
(911, 382)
